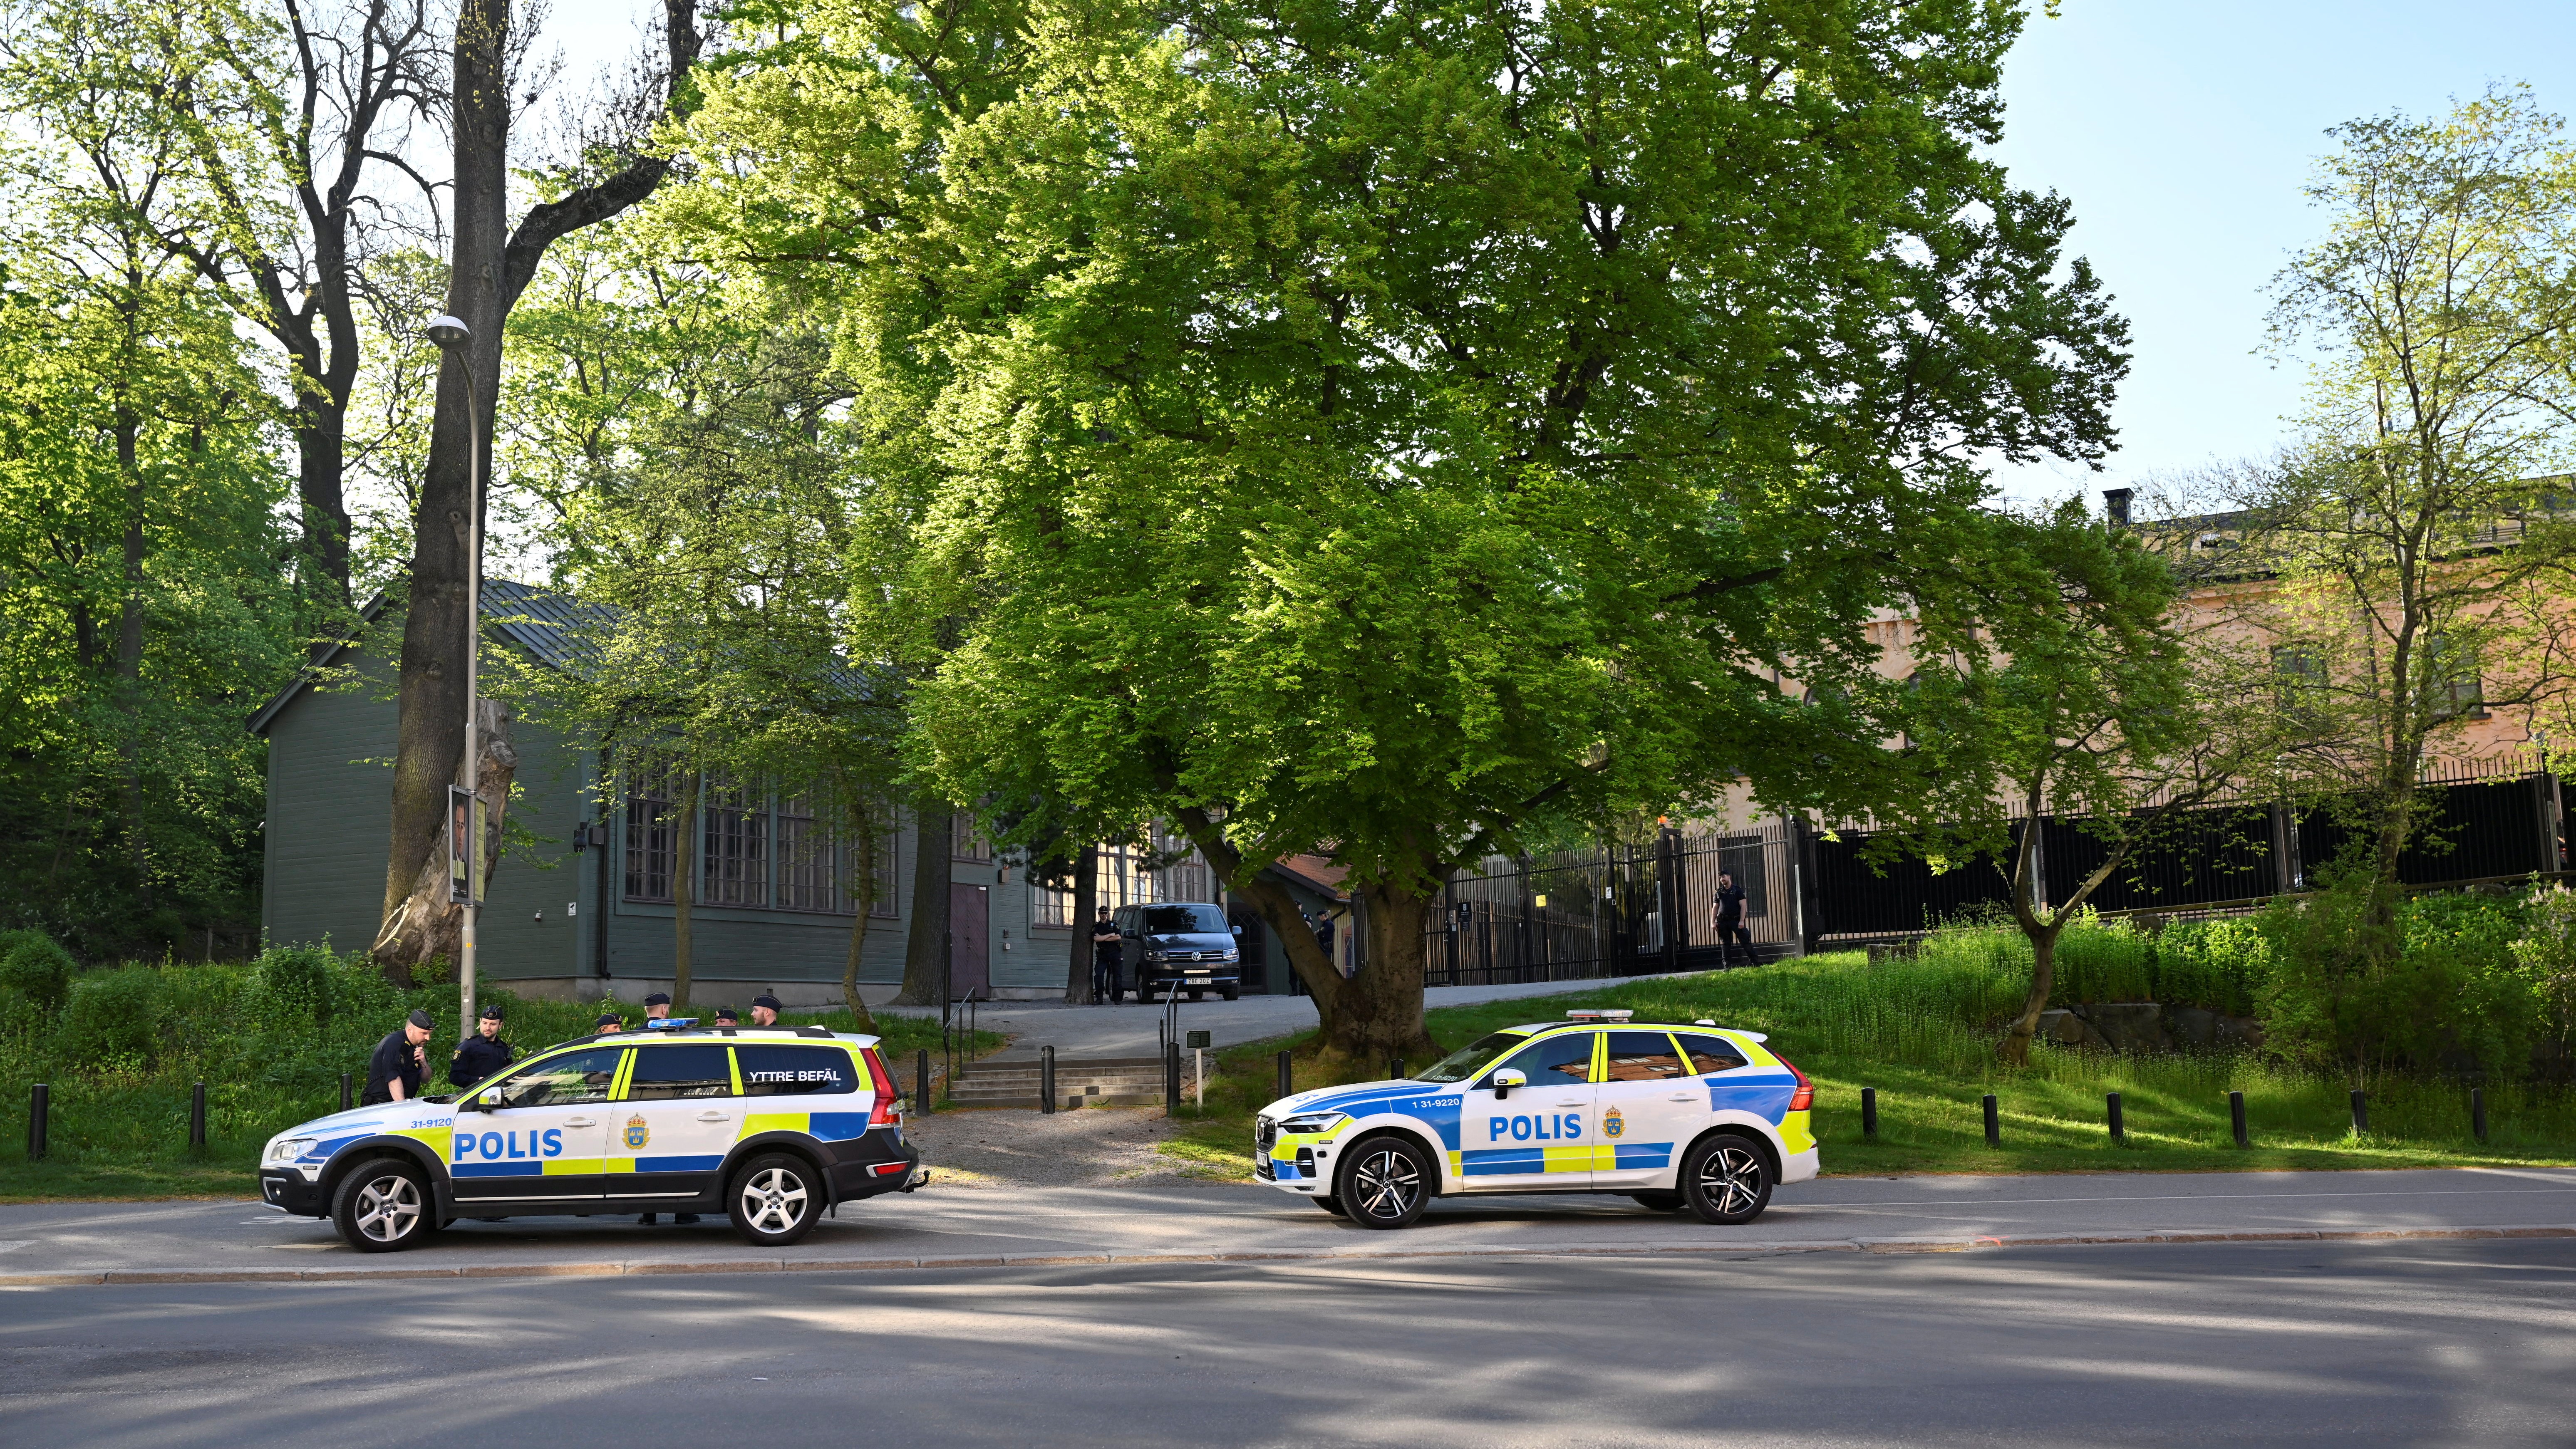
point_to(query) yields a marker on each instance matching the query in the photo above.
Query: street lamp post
(451, 334)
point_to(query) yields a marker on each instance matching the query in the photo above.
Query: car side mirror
(1238, 933)
(1505, 1081)
(484, 1101)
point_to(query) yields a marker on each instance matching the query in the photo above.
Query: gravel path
(1001, 1147)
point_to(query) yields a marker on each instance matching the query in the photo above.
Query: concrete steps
(1079, 1082)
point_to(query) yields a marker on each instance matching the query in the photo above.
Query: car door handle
(1683, 1097)
(581, 1121)
(1569, 1101)
(715, 1116)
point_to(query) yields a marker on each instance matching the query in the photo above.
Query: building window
(2451, 680)
(888, 876)
(806, 878)
(652, 829)
(2299, 683)
(737, 843)
(965, 840)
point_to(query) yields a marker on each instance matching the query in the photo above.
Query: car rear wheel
(1660, 1201)
(1385, 1183)
(383, 1206)
(1726, 1179)
(774, 1200)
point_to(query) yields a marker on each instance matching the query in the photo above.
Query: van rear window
(789, 1071)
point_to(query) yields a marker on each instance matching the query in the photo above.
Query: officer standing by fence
(393, 1073)
(479, 1056)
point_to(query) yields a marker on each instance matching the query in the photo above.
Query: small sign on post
(468, 818)
(1198, 1043)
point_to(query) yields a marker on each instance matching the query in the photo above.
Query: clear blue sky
(2183, 131)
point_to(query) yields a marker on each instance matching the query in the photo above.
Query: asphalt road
(2346, 1344)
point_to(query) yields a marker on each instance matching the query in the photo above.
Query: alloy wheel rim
(1386, 1184)
(773, 1200)
(1731, 1179)
(388, 1208)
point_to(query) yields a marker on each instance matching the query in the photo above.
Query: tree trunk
(423, 925)
(684, 892)
(1377, 1016)
(926, 948)
(322, 421)
(2043, 981)
(867, 901)
(429, 739)
(1086, 901)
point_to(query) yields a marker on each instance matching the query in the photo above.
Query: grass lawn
(120, 1140)
(1849, 1025)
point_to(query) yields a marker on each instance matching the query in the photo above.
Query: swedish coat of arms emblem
(637, 1133)
(1611, 1126)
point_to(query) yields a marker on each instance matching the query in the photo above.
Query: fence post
(197, 1115)
(2119, 1129)
(1046, 1078)
(40, 1107)
(344, 1092)
(921, 1067)
(2236, 1118)
(2478, 1112)
(1287, 1082)
(1869, 1111)
(2360, 1113)
(1994, 1123)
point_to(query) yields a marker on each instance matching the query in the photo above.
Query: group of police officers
(394, 1071)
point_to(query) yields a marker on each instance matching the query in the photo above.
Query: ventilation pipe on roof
(2115, 505)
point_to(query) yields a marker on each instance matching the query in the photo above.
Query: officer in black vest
(393, 1072)
(478, 1057)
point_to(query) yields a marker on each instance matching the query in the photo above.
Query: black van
(1179, 946)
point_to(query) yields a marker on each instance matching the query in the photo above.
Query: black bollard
(2119, 1129)
(921, 1073)
(1171, 1078)
(2236, 1117)
(1869, 1111)
(1287, 1081)
(1994, 1123)
(2478, 1112)
(1046, 1078)
(1395, 1069)
(197, 1115)
(2360, 1113)
(40, 1106)
(345, 1101)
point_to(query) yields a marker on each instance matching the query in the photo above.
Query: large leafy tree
(1373, 430)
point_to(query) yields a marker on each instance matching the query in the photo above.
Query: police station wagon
(1675, 1116)
(773, 1126)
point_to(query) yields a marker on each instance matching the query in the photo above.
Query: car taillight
(883, 1113)
(1803, 1098)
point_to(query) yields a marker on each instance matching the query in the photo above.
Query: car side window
(1553, 1061)
(582, 1076)
(664, 1073)
(1642, 1056)
(1710, 1054)
(792, 1071)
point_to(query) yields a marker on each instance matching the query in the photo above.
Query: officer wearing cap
(727, 1016)
(608, 1021)
(478, 1057)
(393, 1073)
(764, 1010)
(657, 1010)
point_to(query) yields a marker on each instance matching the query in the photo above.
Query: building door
(970, 963)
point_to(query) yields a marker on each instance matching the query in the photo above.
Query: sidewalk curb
(125, 1277)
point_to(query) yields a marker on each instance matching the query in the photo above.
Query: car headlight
(1307, 1124)
(1157, 956)
(1232, 956)
(286, 1149)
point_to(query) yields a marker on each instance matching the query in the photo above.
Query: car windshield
(1470, 1059)
(1184, 920)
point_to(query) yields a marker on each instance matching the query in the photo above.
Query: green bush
(35, 967)
(2445, 990)
(112, 1019)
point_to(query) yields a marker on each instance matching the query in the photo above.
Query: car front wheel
(1726, 1180)
(1384, 1184)
(383, 1206)
(774, 1200)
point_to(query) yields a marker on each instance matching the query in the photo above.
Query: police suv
(771, 1125)
(1674, 1116)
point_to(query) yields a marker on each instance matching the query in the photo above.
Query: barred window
(805, 869)
(737, 843)
(652, 829)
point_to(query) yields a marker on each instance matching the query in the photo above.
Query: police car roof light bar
(1599, 1013)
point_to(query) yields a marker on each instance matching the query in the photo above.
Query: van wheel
(774, 1200)
(1385, 1183)
(383, 1206)
(1726, 1180)
(1232, 992)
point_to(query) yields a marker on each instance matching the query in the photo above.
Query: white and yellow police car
(771, 1125)
(1674, 1116)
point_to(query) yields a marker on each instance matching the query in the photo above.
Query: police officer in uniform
(727, 1016)
(657, 1011)
(393, 1072)
(764, 1010)
(478, 1057)
(608, 1021)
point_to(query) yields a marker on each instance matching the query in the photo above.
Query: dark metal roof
(542, 621)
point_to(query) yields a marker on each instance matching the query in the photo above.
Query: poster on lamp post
(467, 819)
